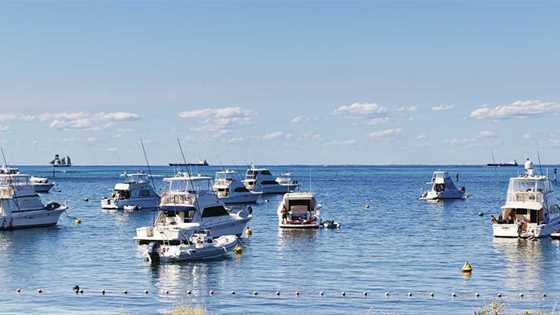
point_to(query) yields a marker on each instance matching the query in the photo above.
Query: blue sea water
(398, 245)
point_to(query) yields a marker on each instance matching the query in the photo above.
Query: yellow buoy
(467, 267)
(78, 221)
(238, 250)
(248, 231)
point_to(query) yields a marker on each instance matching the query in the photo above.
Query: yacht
(200, 246)
(229, 187)
(41, 184)
(61, 162)
(530, 210)
(21, 206)
(189, 205)
(442, 187)
(299, 210)
(261, 180)
(136, 192)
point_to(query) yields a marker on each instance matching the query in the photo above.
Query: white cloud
(442, 108)
(4, 128)
(361, 109)
(297, 119)
(235, 140)
(407, 109)
(526, 135)
(387, 133)
(517, 109)
(421, 137)
(112, 149)
(91, 139)
(378, 121)
(224, 118)
(341, 142)
(276, 135)
(74, 120)
(478, 139)
(311, 136)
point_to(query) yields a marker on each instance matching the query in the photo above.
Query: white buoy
(409, 294)
(322, 293)
(477, 294)
(499, 295)
(521, 295)
(189, 292)
(18, 290)
(431, 294)
(297, 293)
(255, 293)
(232, 292)
(146, 292)
(343, 293)
(453, 294)
(40, 291)
(365, 293)
(125, 292)
(387, 293)
(277, 293)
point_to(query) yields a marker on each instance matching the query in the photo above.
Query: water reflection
(524, 262)
(296, 238)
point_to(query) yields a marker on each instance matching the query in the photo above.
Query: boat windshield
(14, 180)
(223, 176)
(190, 185)
(528, 185)
(135, 178)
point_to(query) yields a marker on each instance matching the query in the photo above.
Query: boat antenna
(185, 161)
(539, 157)
(309, 178)
(148, 164)
(4, 158)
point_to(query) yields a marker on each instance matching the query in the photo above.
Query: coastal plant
(187, 310)
(494, 308)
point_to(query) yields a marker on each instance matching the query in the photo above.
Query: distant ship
(199, 163)
(507, 164)
(61, 162)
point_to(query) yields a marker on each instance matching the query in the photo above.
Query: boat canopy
(184, 183)
(440, 177)
(529, 184)
(226, 175)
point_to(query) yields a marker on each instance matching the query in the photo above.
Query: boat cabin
(526, 200)
(298, 207)
(441, 181)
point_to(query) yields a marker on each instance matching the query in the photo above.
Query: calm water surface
(398, 244)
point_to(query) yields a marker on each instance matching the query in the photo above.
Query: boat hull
(241, 198)
(220, 248)
(31, 219)
(533, 230)
(444, 195)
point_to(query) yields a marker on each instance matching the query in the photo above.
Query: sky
(280, 82)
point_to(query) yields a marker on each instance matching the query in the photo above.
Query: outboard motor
(153, 252)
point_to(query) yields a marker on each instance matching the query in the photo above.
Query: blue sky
(366, 82)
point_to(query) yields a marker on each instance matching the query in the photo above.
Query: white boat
(41, 184)
(229, 187)
(262, 180)
(136, 192)
(299, 210)
(199, 246)
(21, 206)
(285, 179)
(530, 210)
(189, 205)
(442, 187)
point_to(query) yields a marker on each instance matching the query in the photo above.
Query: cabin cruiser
(41, 184)
(136, 192)
(189, 205)
(229, 187)
(442, 187)
(261, 180)
(199, 246)
(21, 206)
(285, 179)
(530, 210)
(299, 210)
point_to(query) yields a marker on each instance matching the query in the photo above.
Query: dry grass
(497, 308)
(187, 310)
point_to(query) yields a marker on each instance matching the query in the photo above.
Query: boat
(299, 210)
(530, 210)
(61, 162)
(442, 187)
(229, 187)
(41, 184)
(199, 163)
(506, 164)
(262, 180)
(189, 204)
(199, 246)
(285, 179)
(21, 206)
(136, 192)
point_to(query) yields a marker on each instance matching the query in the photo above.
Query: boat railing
(524, 196)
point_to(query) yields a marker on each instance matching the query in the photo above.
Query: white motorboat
(200, 246)
(136, 192)
(285, 179)
(229, 187)
(442, 187)
(530, 210)
(41, 184)
(21, 206)
(189, 205)
(299, 210)
(262, 180)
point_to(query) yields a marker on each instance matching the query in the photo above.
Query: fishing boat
(41, 184)
(136, 192)
(442, 187)
(530, 210)
(189, 204)
(21, 206)
(61, 162)
(230, 189)
(299, 210)
(199, 246)
(262, 180)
